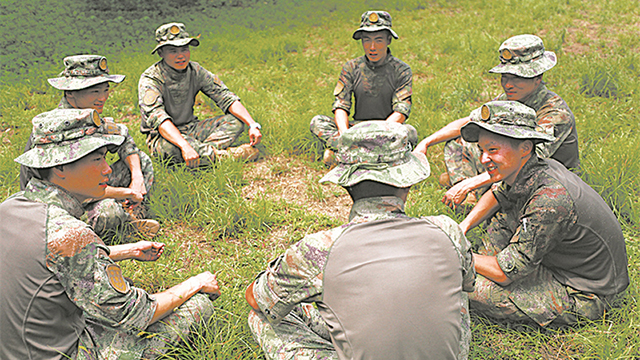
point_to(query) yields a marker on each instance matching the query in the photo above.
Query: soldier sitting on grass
(523, 61)
(554, 251)
(379, 82)
(86, 85)
(167, 92)
(63, 296)
(386, 286)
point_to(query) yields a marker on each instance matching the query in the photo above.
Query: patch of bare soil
(293, 181)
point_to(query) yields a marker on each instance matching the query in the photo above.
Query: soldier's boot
(444, 180)
(145, 228)
(329, 158)
(244, 152)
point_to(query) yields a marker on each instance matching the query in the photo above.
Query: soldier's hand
(191, 157)
(456, 195)
(255, 136)
(147, 250)
(137, 184)
(208, 283)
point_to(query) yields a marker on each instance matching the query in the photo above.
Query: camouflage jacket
(555, 117)
(166, 94)
(378, 90)
(564, 225)
(297, 275)
(80, 261)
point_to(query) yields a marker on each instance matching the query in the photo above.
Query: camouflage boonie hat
(507, 118)
(173, 34)
(83, 71)
(524, 56)
(378, 151)
(62, 136)
(372, 21)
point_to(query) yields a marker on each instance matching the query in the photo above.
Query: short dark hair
(370, 188)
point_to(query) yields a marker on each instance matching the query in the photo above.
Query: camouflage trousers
(302, 334)
(539, 297)
(110, 344)
(105, 216)
(325, 128)
(204, 137)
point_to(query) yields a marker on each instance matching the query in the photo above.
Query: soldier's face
(87, 178)
(176, 57)
(375, 45)
(502, 158)
(92, 97)
(517, 88)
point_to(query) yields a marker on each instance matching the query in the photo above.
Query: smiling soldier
(86, 83)
(167, 93)
(554, 251)
(523, 60)
(63, 294)
(379, 82)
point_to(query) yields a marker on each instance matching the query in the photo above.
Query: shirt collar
(386, 60)
(536, 98)
(49, 193)
(523, 183)
(376, 208)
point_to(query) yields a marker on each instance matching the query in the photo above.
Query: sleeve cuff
(273, 308)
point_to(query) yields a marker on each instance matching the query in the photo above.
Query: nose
(107, 169)
(484, 158)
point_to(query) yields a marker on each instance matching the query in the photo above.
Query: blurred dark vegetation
(37, 35)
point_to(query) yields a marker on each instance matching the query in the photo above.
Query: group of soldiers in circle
(382, 286)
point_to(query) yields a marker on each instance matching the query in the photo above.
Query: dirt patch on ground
(293, 181)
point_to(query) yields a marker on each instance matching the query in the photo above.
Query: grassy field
(283, 59)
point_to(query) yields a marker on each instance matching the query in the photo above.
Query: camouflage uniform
(76, 303)
(528, 59)
(379, 90)
(288, 326)
(83, 71)
(166, 94)
(553, 236)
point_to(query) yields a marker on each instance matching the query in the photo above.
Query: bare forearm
(133, 162)
(488, 267)
(396, 117)
(450, 131)
(174, 297)
(342, 120)
(171, 133)
(248, 295)
(238, 110)
(118, 193)
(485, 208)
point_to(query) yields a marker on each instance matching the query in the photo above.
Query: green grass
(283, 59)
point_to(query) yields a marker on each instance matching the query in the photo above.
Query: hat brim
(410, 173)
(471, 131)
(79, 83)
(177, 42)
(529, 69)
(54, 154)
(358, 33)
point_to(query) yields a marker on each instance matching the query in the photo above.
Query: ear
(58, 172)
(526, 147)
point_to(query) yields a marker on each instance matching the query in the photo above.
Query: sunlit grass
(283, 60)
